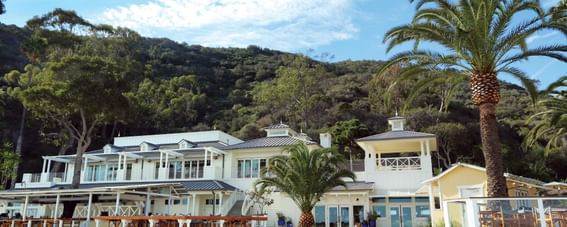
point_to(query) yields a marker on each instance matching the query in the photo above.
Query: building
(208, 172)
(466, 181)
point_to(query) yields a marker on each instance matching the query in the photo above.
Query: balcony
(399, 163)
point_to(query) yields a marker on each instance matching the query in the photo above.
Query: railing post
(541, 211)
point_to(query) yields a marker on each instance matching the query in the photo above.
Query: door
(339, 216)
(357, 214)
(401, 216)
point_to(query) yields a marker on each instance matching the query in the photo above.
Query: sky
(338, 29)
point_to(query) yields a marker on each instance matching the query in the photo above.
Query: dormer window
(109, 148)
(184, 144)
(145, 146)
(280, 129)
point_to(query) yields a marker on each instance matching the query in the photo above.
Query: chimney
(325, 140)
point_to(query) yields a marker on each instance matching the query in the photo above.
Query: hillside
(240, 90)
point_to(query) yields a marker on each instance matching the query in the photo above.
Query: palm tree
(305, 176)
(551, 120)
(479, 40)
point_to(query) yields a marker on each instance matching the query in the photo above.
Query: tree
(64, 93)
(2, 7)
(453, 140)
(345, 133)
(481, 48)
(551, 119)
(296, 90)
(8, 159)
(305, 176)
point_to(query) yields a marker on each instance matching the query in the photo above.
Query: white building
(207, 172)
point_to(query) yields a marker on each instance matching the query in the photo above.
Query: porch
(519, 211)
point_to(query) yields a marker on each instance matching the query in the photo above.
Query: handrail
(400, 163)
(170, 218)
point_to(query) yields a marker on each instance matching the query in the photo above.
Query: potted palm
(281, 219)
(289, 223)
(372, 216)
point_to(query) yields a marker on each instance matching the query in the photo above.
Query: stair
(236, 210)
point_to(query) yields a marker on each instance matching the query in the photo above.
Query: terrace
(519, 211)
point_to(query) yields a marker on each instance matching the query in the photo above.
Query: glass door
(406, 217)
(333, 216)
(345, 216)
(401, 216)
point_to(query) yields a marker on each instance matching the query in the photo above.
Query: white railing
(400, 163)
(235, 196)
(518, 211)
(129, 210)
(35, 178)
(57, 177)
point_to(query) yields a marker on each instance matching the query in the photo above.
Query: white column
(446, 214)
(206, 155)
(472, 214)
(117, 211)
(55, 211)
(541, 212)
(148, 206)
(119, 161)
(427, 148)
(431, 199)
(187, 208)
(169, 202)
(84, 172)
(89, 207)
(422, 146)
(220, 203)
(44, 165)
(193, 211)
(65, 172)
(25, 211)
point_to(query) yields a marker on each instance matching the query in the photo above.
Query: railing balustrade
(518, 211)
(400, 163)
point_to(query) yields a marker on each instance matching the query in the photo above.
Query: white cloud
(280, 24)
(535, 37)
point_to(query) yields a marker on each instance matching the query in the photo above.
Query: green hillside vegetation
(174, 87)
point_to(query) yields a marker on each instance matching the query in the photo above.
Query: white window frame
(242, 171)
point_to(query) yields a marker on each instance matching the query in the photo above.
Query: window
(250, 168)
(400, 200)
(522, 203)
(156, 173)
(421, 199)
(210, 201)
(175, 169)
(422, 211)
(129, 171)
(379, 200)
(112, 172)
(437, 203)
(319, 216)
(380, 210)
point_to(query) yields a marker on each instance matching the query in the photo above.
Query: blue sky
(346, 29)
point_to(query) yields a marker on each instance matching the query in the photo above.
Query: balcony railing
(519, 211)
(400, 163)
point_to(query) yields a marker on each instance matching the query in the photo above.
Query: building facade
(209, 173)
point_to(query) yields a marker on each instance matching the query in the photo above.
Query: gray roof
(391, 135)
(189, 185)
(215, 144)
(275, 141)
(525, 179)
(355, 186)
(280, 125)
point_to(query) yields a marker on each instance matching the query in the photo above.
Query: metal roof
(355, 186)
(280, 125)
(391, 135)
(275, 141)
(189, 185)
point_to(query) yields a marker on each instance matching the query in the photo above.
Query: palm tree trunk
(496, 181)
(19, 143)
(306, 219)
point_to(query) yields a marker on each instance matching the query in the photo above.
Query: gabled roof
(391, 135)
(509, 176)
(275, 141)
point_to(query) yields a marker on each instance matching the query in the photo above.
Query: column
(471, 212)
(431, 199)
(446, 218)
(427, 148)
(55, 211)
(89, 207)
(422, 146)
(193, 211)
(25, 211)
(169, 202)
(541, 212)
(116, 209)
(220, 203)
(44, 165)
(187, 208)
(148, 206)
(65, 172)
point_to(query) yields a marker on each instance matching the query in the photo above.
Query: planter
(372, 223)
(364, 225)
(289, 224)
(281, 222)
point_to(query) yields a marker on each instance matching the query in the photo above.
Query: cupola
(280, 129)
(397, 123)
